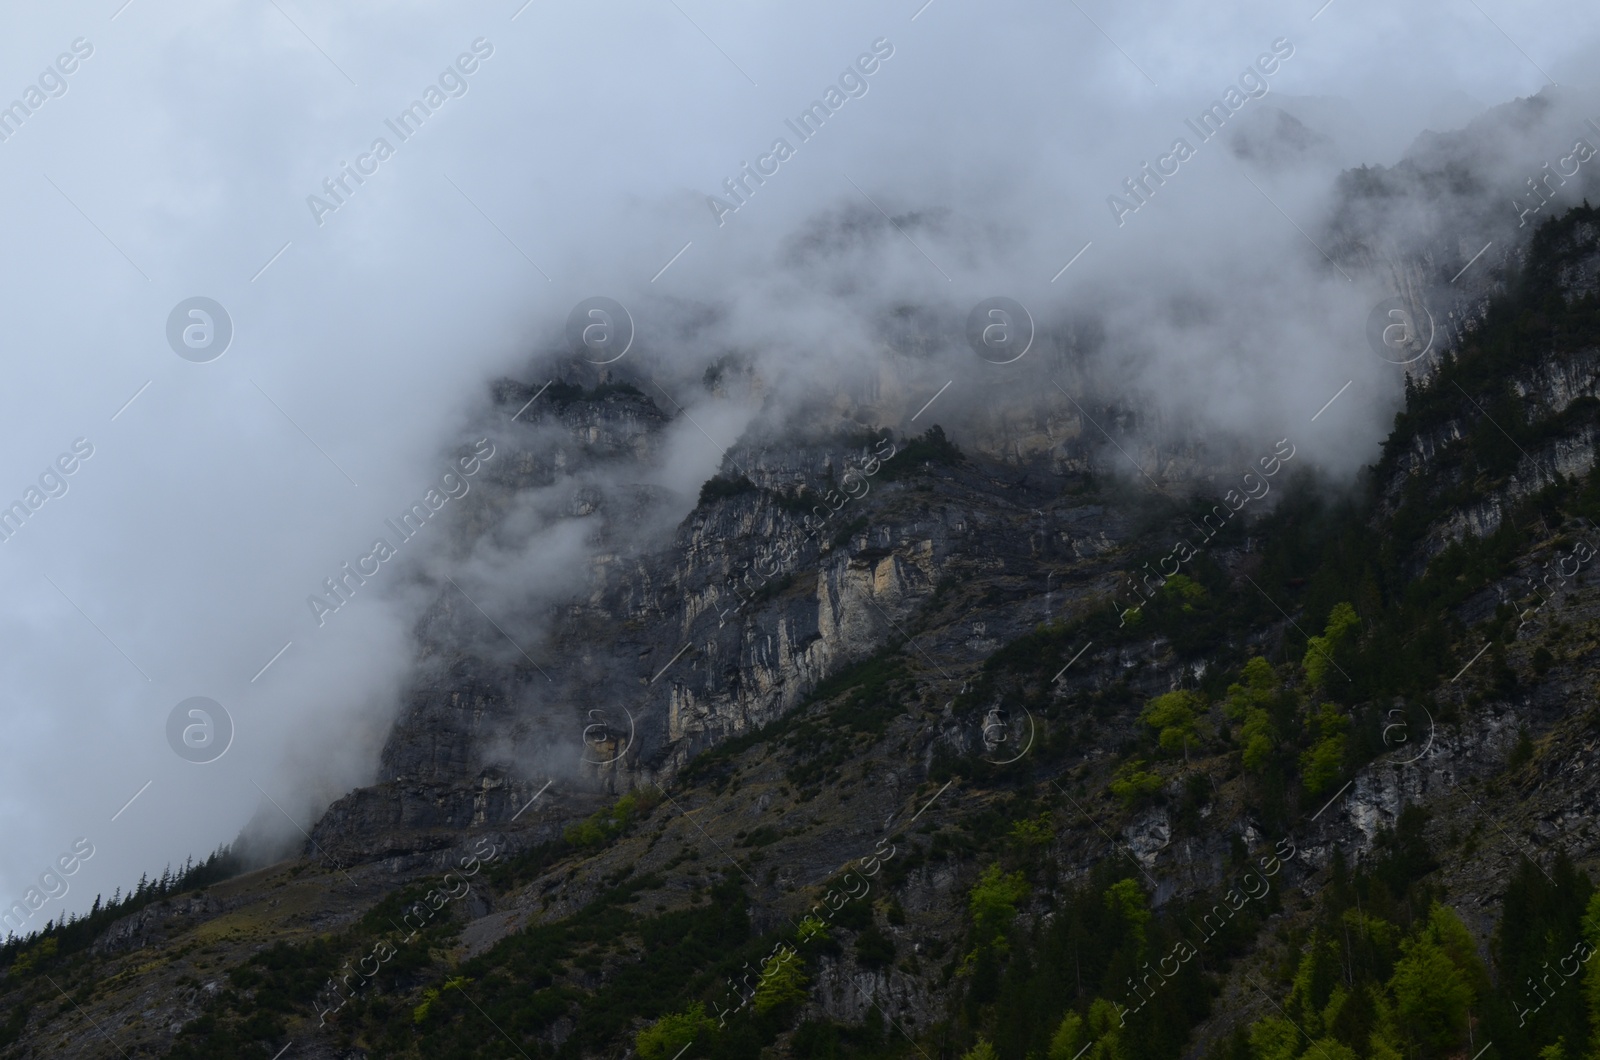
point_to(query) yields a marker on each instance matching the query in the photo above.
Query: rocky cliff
(909, 738)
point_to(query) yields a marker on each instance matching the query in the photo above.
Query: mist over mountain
(446, 421)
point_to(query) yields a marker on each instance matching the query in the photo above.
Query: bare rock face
(677, 639)
(153, 924)
(1552, 386)
(677, 632)
(1148, 834)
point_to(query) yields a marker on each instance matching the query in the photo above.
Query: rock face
(672, 634)
(1552, 391)
(809, 552)
(669, 648)
(154, 924)
(807, 555)
(932, 582)
(668, 651)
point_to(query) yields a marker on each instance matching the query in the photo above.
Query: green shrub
(1033, 831)
(1251, 702)
(783, 981)
(993, 903)
(30, 959)
(1322, 764)
(668, 1036)
(419, 1015)
(1433, 983)
(1126, 899)
(1320, 651)
(1185, 590)
(601, 826)
(1132, 784)
(1176, 718)
(1067, 1043)
(811, 929)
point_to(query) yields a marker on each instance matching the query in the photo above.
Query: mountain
(1045, 730)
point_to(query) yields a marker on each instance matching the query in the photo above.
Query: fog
(181, 150)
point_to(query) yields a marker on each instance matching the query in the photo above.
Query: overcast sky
(577, 160)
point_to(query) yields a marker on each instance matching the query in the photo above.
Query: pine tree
(1068, 1041)
(783, 982)
(1435, 984)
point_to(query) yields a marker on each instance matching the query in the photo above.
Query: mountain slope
(943, 775)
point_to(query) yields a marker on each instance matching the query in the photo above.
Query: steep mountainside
(915, 744)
